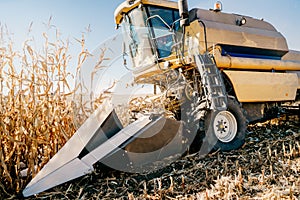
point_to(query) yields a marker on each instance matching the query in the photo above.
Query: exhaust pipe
(184, 13)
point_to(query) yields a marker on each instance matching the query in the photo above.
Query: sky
(95, 18)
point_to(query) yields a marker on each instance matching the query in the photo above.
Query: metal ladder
(214, 88)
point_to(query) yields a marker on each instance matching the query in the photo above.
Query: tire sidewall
(239, 139)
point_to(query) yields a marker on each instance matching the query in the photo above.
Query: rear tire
(226, 130)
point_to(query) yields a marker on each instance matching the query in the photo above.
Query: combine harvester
(230, 70)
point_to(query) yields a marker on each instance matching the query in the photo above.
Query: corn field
(36, 111)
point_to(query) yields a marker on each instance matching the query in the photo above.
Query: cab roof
(129, 5)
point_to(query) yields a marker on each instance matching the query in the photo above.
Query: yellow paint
(228, 62)
(125, 7)
(195, 41)
(252, 86)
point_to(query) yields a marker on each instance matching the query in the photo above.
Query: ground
(266, 167)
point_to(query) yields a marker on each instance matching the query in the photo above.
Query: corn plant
(36, 108)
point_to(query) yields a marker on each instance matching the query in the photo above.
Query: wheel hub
(225, 126)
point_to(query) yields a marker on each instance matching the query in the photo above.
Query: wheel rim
(225, 126)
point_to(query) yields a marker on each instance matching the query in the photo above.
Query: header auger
(222, 71)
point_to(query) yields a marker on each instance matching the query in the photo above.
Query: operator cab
(149, 30)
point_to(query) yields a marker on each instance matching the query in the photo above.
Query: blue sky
(72, 17)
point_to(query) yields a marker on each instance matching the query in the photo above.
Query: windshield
(136, 38)
(165, 24)
(149, 34)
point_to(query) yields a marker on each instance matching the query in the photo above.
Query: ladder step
(212, 81)
(216, 86)
(214, 96)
